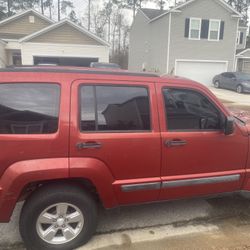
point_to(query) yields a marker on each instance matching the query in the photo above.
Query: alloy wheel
(60, 223)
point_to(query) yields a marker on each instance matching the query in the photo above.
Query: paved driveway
(152, 222)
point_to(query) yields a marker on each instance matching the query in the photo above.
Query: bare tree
(241, 6)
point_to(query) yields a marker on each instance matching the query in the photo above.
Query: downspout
(235, 50)
(169, 39)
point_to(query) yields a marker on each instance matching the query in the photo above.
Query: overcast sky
(81, 6)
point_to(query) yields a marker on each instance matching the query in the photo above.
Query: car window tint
(29, 108)
(111, 108)
(190, 110)
(225, 74)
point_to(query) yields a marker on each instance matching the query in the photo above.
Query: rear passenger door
(116, 123)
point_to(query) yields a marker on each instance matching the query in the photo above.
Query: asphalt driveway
(158, 224)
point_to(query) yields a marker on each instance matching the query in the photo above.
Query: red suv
(71, 138)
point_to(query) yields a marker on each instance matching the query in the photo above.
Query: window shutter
(204, 29)
(222, 27)
(241, 37)
(187, 23)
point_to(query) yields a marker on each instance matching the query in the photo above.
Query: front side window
(29, 108)
(190, 110)
(214, 30)
(195, 28)
(114, 108)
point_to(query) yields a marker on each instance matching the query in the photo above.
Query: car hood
(248, 127)
(244, 116)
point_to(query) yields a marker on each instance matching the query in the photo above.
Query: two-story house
(29, 38)
(197, 39)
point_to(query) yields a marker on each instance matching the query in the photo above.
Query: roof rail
(68, 69)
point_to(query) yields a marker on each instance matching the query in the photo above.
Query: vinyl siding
(148, 44)
(3, 58)
(183, 48)
(65, 34)
(139, 43)
(159, 45)
(21, 27)
(41, 49)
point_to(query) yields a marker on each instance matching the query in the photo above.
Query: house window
(240, 37)
(195, 28)
(214, 30)
(31, 19)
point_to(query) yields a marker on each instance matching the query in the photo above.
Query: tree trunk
(59, 10)
(89, 8)
(109, 29)
(50, 10)
(42, 7)
(134, 7)
(8, 6)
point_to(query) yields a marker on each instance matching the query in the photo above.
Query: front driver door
(198, 158)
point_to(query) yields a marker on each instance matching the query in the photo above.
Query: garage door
(65, 61)
(200, 71)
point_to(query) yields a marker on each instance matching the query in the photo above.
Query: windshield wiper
(239, 119)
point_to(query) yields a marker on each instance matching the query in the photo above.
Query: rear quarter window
(29, 108)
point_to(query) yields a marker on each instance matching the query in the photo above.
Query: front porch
(243, 61)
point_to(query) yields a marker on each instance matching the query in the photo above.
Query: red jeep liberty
(73, 137)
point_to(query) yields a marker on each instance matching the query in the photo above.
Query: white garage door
(200, 71)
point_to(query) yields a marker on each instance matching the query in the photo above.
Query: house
(197, 39)
(30, 38)
(243, 57)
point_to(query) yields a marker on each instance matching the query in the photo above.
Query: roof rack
(64, 69)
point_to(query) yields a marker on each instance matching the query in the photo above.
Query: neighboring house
(243, 57)
(30, 38)
(197, 39)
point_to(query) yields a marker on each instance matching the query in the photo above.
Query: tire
(217, 84)
(48, 202)
(239, 89)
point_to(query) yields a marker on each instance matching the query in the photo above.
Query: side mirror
(229, 126)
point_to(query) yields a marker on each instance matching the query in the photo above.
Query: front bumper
(246, 89)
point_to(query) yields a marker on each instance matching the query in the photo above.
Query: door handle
(88, 145)
(175, 143)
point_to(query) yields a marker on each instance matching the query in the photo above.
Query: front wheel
(58, 217)
(239, 89)
(217, 84)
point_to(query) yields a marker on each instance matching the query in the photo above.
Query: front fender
(99, 174)
(18, 175)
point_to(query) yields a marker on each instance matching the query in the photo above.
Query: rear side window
(114, 108)
(190, 110)
(29, 108)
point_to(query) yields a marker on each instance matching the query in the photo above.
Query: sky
(81, 6)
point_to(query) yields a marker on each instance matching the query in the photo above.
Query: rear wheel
(239, 89)
(58, 217)
(217, 84)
